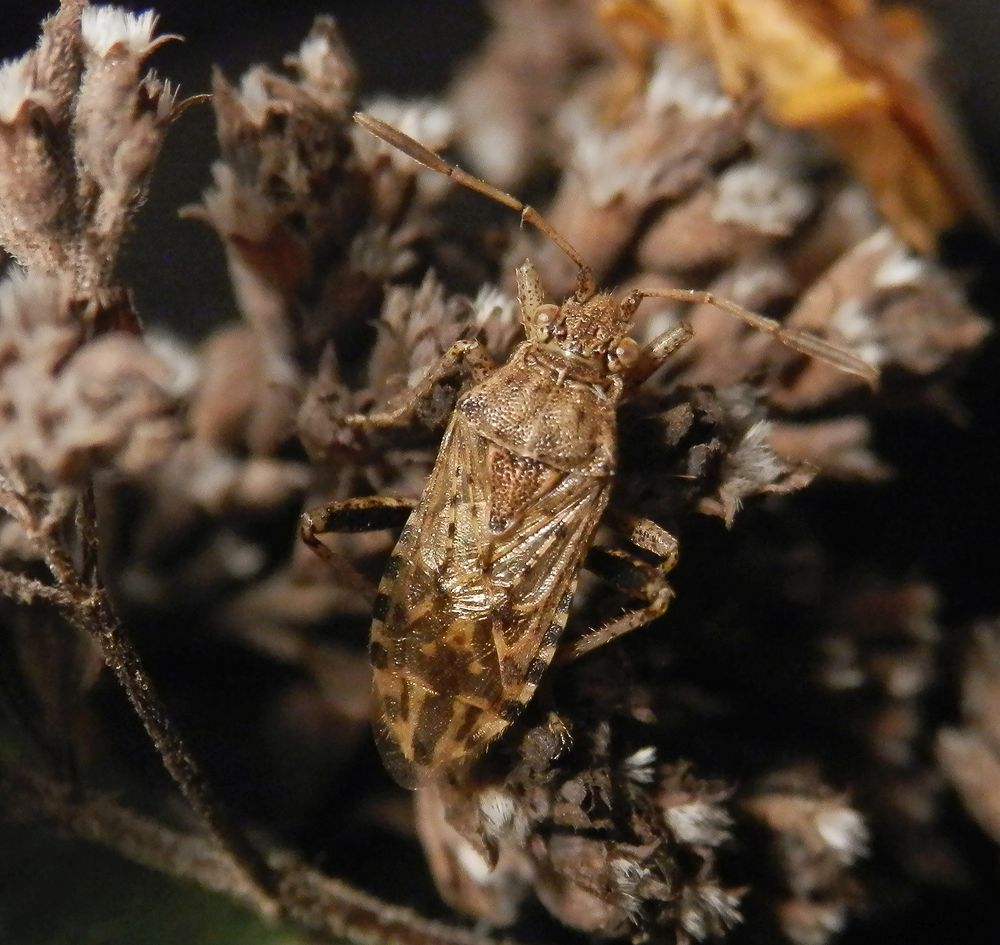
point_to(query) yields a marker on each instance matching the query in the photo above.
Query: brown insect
(474, 599)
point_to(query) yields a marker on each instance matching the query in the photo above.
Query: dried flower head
(970, 754)
(82, 167)
(112, 31)
(71, 406)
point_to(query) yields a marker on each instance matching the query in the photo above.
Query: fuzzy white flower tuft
(639, 765)
(185, 366)
(628, 875)
(680, 80)
(699, 824)
(254, 94)
(491, 303)
(314, 56)
(17, 88)
(112, 29)
(498, 316)
(759, 195)
(472, 863)
(708, 911)
(844, 831)
(501, 816)
(900, 268)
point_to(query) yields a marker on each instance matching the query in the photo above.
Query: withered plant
(801, 749)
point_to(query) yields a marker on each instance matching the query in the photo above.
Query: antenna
(802, 341)
(585, 285)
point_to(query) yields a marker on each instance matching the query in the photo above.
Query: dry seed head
(108, 31)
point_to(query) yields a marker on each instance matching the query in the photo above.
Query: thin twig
(85, 603)
(28, 795)
(86, 524)
(306, 897)
(27, 590)
(95, 615)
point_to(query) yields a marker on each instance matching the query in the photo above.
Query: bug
(475, 596)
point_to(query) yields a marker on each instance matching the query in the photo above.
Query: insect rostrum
(473, 603)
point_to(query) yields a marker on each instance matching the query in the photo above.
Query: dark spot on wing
(468, 723)
(394, 566)
(423, 748)
(378, 655)
(381, 606)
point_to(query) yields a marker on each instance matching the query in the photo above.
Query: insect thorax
(539, 407)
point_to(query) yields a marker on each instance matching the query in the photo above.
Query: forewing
(474, 600)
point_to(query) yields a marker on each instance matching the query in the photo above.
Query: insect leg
(634, 577)
(366, 514)
(463, 357)
(657, 351)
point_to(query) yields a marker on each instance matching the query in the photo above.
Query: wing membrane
(474, 600)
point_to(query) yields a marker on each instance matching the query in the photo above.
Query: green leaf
(55, 891)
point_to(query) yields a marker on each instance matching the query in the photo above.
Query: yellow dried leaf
(847, 69)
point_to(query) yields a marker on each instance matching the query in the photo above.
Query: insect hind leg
(637, 578)
(365, 514)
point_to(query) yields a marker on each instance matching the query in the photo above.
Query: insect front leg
(656, 352)
(467, 357)
(634, 577)
(365, 514)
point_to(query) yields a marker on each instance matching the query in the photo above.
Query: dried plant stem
(82, 598)
(305, 897)
(27, 590)
(27, 795)
(94, 615)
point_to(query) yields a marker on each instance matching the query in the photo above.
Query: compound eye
(626, 353)
(545, 316)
